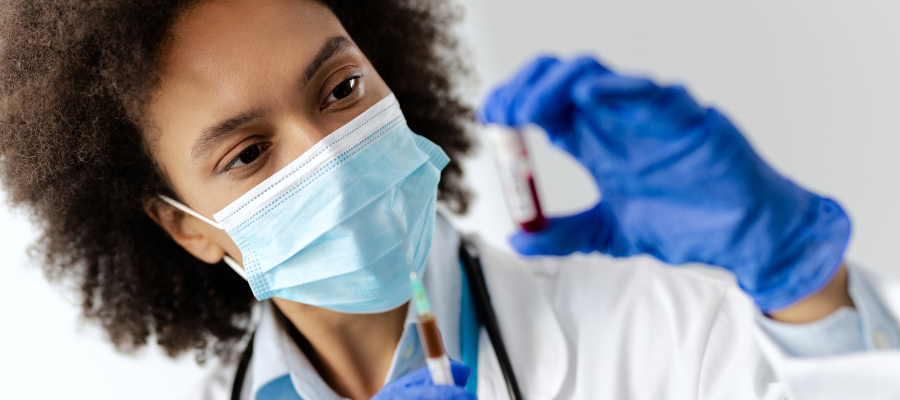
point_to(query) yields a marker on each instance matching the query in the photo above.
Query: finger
(495, 108)
(460, 372)
(531, 72)
(418, 377)
(549, 102)
(671, 105)
(427, 393)
(499, 106)
(610, 88)
(584, 233)
(422, 377)
(679, 107)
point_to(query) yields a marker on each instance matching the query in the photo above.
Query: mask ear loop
(235, 266)
(182, 207)
(227, 259)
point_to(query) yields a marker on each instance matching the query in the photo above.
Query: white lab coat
(589, 327)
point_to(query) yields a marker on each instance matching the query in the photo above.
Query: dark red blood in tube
(516, 178)
(430, 336)
(538, 223)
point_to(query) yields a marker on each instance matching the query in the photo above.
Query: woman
(164, 144)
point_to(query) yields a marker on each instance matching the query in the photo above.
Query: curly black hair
(74, 77)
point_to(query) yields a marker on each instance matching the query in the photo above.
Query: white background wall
(812, 83)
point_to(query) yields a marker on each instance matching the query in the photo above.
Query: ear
(189, 232)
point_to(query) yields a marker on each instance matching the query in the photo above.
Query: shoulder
(636, 297)
(646, 318)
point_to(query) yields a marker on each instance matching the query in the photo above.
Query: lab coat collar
(275, 354)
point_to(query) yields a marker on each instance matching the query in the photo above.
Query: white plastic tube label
(515, 172)
(439, 368)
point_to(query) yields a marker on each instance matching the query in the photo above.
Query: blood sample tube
(435, 357)
(516, 177)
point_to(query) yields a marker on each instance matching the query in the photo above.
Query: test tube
(516, 177)
(435, 357)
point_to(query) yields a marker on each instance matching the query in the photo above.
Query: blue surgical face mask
(342, 226)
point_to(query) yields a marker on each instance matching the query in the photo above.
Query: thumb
(583, 233)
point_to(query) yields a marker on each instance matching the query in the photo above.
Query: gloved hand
(418, 385)
(678, 181)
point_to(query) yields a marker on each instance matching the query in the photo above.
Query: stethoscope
(484, 310)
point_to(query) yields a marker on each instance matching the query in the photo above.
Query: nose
(301, 135)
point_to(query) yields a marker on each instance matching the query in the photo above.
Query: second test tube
(516, 177)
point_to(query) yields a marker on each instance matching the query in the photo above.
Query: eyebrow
(210, 136)
(332, 46)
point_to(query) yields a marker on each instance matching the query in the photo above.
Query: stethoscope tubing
(468, 254)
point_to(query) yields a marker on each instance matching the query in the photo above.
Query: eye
(342, 90)
(250, 154)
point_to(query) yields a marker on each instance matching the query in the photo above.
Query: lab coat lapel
(535, 341)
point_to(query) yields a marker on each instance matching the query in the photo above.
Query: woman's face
(248, 86)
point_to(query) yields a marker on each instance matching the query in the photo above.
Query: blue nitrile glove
(678, 182)
(418, 385)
